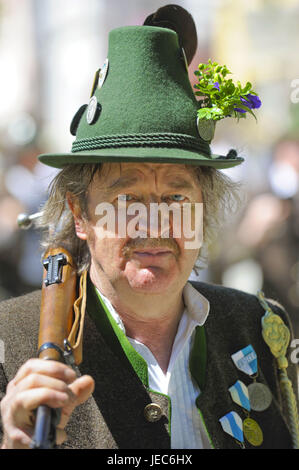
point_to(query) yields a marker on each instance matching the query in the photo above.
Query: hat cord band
(142, 140)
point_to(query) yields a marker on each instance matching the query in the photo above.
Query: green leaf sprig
(221, 96)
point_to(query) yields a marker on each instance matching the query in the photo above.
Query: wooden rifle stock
(56, 319)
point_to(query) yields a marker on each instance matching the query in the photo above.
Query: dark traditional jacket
(114, 416)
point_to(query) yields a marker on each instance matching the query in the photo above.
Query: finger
(82, 388)
(27, 401)
(15, 438)
(40, 381)
(61, 436)
(50, 368)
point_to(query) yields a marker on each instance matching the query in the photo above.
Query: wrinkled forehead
(132, 171)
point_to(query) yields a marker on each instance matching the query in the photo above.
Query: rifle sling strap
(75, 337)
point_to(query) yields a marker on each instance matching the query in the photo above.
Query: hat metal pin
(92, 110)
(103, 73)
(206, 128)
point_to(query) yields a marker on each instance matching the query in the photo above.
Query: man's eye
(177, 197)
(125, 197)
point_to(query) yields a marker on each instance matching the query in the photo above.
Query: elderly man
(166, 363)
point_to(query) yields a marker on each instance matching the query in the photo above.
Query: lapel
(114, 416)
(214, 400)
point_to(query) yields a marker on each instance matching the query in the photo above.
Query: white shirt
(187, 429)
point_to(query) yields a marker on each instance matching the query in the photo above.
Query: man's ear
(80, 225)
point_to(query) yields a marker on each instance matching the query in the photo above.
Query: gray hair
(220, 197)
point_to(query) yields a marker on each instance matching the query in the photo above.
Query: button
(152, 412)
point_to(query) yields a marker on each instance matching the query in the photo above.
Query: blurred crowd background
(49, 52)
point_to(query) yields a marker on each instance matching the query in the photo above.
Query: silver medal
(260, 396)
(91, 110)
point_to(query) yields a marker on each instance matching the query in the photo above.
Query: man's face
(147, 263)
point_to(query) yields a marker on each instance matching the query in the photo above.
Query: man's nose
(156, 222)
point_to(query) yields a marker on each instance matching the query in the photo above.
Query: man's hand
(40, 382)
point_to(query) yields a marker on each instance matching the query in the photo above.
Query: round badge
(260, 396)
(206, 128)
(103, 73)
(252, 432)
(92, 110)
(76, 119)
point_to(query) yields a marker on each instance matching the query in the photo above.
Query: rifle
(58, 326)
(56, 318)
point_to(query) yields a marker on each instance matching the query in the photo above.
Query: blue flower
(251, 101)
(240, 110)
(216, 85)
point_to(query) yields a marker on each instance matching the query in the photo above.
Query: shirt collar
(197, 306)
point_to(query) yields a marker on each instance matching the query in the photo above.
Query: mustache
(144, 243)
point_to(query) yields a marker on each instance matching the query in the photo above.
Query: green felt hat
(142, 107)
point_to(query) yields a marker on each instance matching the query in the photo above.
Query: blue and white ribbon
(232, 424)
(240, 395)
(246, 360)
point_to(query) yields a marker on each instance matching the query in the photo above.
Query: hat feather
(179, 20)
